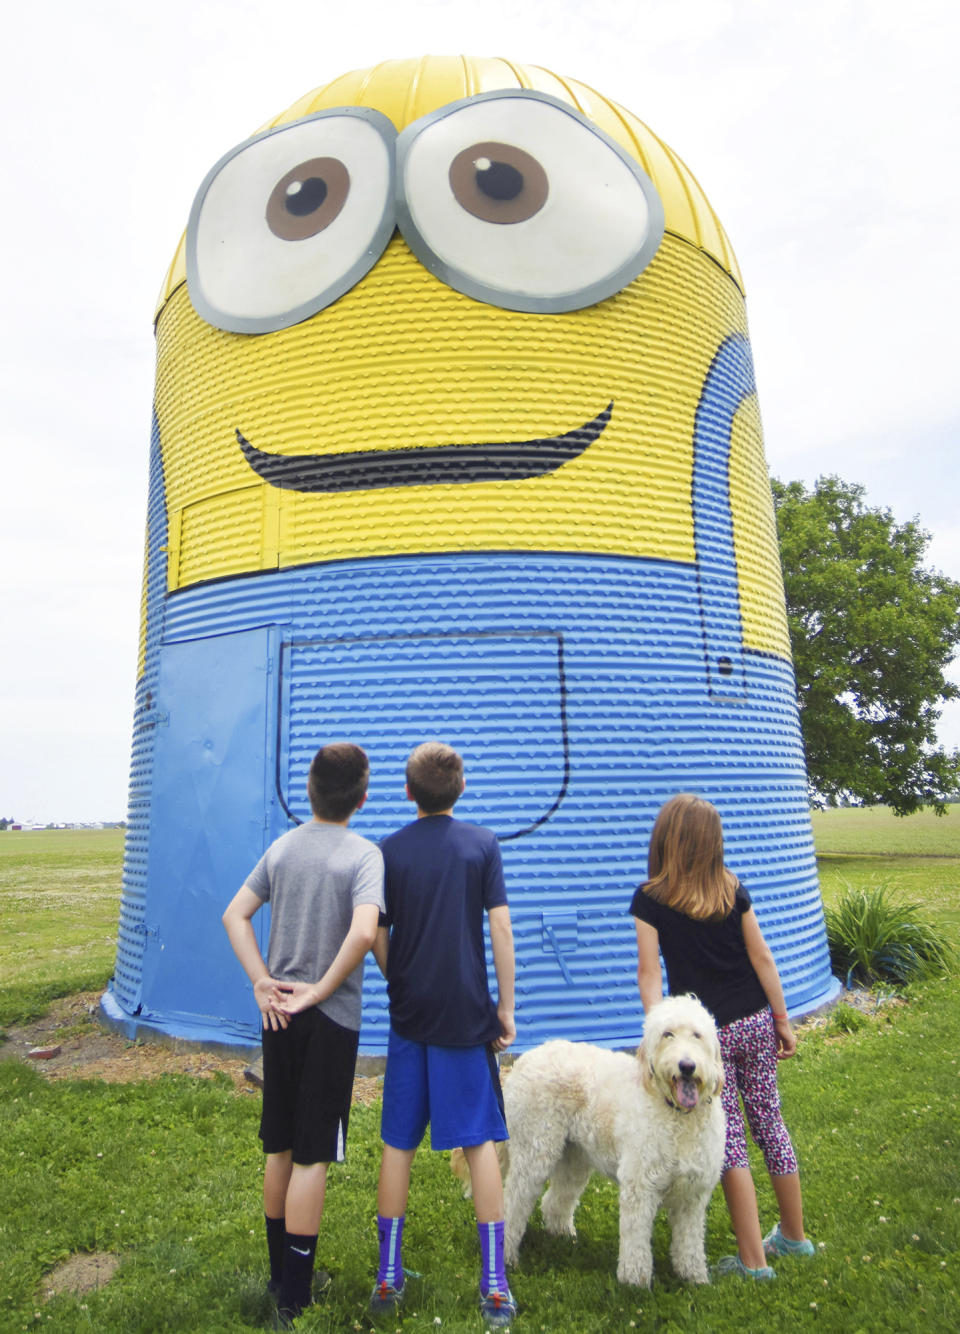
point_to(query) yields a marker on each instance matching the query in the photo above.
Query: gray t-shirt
(313, 877)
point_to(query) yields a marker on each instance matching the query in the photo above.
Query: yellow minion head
(450, 305)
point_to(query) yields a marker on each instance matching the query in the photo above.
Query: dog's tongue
(688, 1095)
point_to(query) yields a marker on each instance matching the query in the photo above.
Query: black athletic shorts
(308, 1070)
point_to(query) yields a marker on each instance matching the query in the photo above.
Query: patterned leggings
(749, 1050)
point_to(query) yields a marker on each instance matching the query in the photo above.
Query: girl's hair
(685, 867)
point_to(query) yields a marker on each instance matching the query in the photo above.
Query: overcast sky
(824, 134)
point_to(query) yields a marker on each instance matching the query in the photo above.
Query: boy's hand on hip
(297, 996)
(508, 1030)
(265, 992)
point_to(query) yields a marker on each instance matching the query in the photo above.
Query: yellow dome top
(405, 90)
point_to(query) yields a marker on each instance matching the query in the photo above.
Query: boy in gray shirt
(324, 885)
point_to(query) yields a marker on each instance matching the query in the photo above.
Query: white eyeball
(290, 220)
(517, 199)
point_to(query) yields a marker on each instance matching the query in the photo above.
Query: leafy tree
(872, 631)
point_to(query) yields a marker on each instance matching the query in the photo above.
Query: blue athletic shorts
(454, 1089)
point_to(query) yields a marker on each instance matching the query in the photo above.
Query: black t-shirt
(440, 876)
(708, 959)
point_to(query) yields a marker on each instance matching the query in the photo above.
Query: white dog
(653, 1123)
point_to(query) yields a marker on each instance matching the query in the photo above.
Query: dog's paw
(634, 1275)
(694, 1275)
(560, 1228)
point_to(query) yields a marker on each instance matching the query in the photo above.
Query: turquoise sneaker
(385, 1298)
(498, 1308)
(775, 1243)
(732, 1264)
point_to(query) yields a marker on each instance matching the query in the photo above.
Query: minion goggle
(513, 198)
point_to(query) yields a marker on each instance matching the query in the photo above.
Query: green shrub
(876, 937)
(846, 1019)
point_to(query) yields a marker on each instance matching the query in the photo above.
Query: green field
(876, 831)
(59, 902)
(917, 856)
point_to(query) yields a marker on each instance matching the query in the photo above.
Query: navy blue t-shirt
(708, 959)
(440, 876)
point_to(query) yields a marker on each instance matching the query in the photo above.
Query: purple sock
(493, 1274)
(390, 1233)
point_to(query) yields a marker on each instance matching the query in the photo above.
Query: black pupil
(308, 198)
(500, 181)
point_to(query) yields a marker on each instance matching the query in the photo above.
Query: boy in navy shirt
(441, 875)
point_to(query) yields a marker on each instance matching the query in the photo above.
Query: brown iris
(498, 182)
(308, 198)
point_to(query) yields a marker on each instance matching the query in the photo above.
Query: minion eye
(308, 198)
(498, 182)
(287, 222)
(518, 200)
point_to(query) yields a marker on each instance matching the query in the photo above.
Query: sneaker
(498, 1308)
(385, 1298)
(775, 1243)
(732, 1264)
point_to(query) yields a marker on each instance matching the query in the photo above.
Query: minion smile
(427, 465)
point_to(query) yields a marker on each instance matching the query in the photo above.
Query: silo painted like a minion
(456, 436)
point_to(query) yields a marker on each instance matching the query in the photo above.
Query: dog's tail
(459, 1168)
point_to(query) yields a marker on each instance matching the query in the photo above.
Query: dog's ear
(646, 1068)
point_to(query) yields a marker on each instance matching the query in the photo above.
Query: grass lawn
(876, 831)
(59, 903)
(919, 856)
(165, 1174)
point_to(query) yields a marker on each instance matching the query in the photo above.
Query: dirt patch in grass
(80, 1273)
(89, 1051)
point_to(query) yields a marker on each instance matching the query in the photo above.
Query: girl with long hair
(695, 911)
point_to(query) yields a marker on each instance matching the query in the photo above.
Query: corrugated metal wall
(577, 690)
